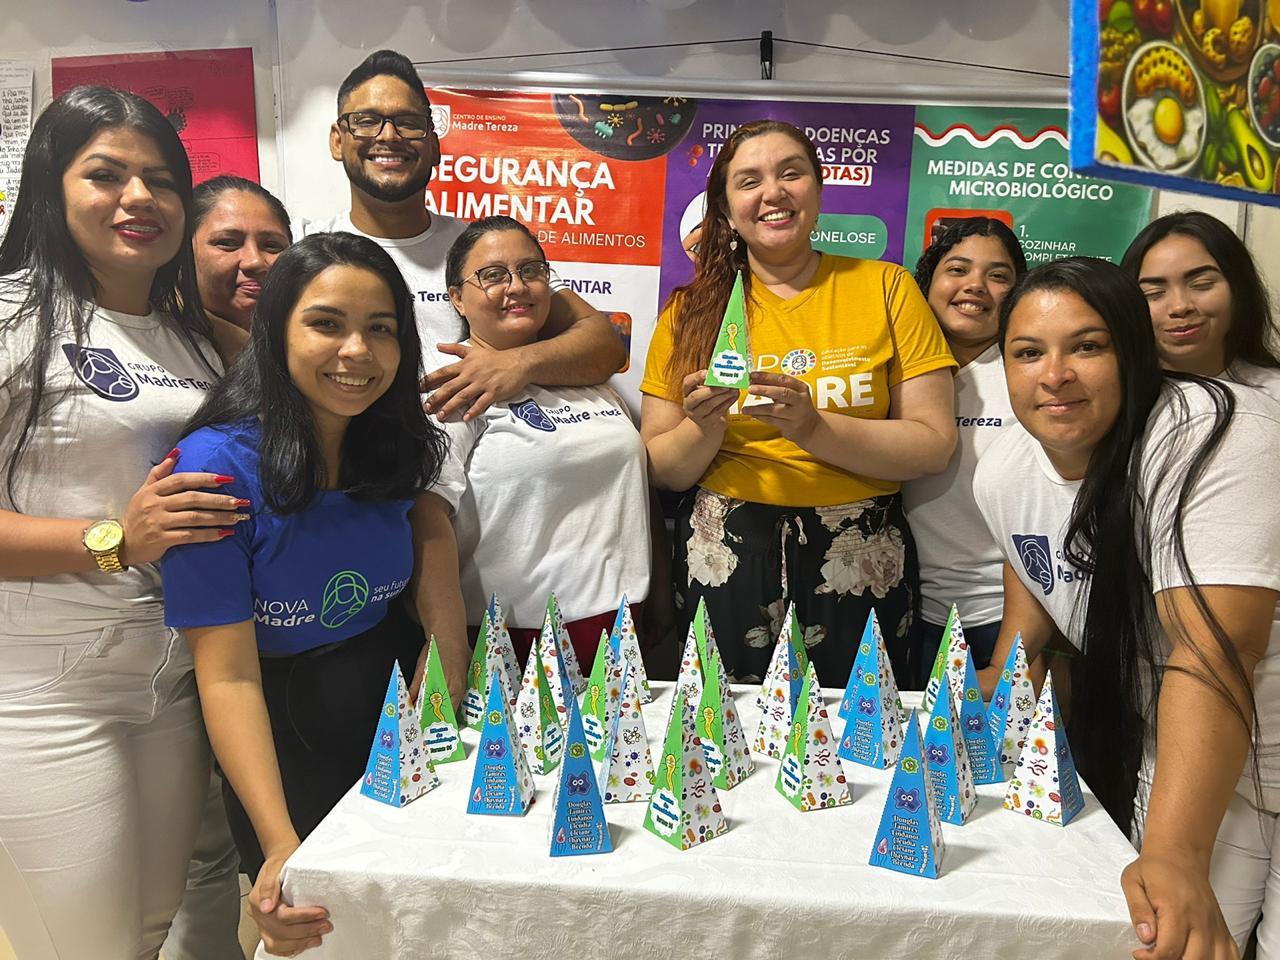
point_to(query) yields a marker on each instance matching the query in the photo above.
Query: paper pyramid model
(578, 825)
(571, 668)
(950, 657)
(502, 783)
(684, 808)
(623, 637)
(603, 696)
(1012, 706)
(1044, 784)
(982, 744)
(873, 731)
(399, 770)
(493, 647)
(719, 729)
(909, 839)
(627, 772)
(689, 679)
(792, 662)
(949, 773)
(537, 720)
(730, 364)
(810, 775)
(440, 734)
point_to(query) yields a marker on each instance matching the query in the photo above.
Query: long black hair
(56, 289)
(1251, 336)
(1115, 683)
(951, 235)
(390, 451)
(207, 195)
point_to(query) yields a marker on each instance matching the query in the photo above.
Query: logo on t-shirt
(345, 595)
(531, 413)
(1037, 559)
(101, 371)
(798, 362)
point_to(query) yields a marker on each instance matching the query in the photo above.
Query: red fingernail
(224, 479)
(243, 503)
(225, 533)
(173, 454)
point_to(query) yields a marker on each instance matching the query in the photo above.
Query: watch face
(104, 535)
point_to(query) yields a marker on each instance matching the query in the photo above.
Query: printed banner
(1011, 164)
(1183, 94)
(15, 126)
(206, 94)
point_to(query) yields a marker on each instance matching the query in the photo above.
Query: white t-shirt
(959, 562)
(421, 259)
(1266, 379)
(1026, 505)
(549, 493)
(120, 405)
(1231, 522)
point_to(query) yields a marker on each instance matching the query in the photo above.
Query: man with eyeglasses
(385, 140)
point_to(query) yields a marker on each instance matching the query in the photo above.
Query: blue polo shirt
(305, 579)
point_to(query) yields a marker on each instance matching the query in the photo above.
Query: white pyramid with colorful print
(950, 649)
(689, 679)
(627, 772)
(501, 784)
(493, 648)
(909, 839)
(949, 772)
(604, 693)
(982, 744)
(793, 662)
(567, 655)
(537, 720)
(873, 732)
(623, 637)
(441, 737)
(554, 669)
(810, 776)
(1044, 785)
(399, 770)
(578, 825)
(719, 729)
(684, 808)
(778, 696)
(1012, 706)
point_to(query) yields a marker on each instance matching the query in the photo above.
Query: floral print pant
(749, 560)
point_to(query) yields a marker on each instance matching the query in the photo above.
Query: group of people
(226, 507)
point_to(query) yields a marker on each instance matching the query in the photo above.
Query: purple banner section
(865, 151)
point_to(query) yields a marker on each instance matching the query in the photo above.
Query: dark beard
(387, 193)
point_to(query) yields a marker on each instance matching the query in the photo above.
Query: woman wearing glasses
(548, 489)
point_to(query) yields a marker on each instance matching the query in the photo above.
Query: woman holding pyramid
(795, 484)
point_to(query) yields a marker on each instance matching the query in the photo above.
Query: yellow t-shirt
(858, 328)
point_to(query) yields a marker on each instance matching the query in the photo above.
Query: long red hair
(700, 303)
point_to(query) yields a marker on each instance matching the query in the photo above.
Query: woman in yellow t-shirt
(796, 491)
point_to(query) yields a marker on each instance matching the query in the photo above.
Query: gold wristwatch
(103, 540)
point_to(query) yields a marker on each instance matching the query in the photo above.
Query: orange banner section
(534, 157)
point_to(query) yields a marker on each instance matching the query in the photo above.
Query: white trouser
(1245, 877)
(103, 776)
(207, 925)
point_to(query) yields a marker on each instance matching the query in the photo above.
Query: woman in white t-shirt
(1209, 308)
(104, 353)
(964, 274)
(1171, 622)
(548, 489)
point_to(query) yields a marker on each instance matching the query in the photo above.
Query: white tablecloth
(430, 881)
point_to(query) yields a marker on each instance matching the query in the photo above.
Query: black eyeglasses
(366, 125)
(491, 277)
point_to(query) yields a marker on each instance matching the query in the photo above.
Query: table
(430, 881)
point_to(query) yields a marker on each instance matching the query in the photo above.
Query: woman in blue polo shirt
(319, 432)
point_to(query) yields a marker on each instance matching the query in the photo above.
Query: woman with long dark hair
(796, 491)
(965, 274)
(1136, 514)
(1209, 307)
(320, 425)
(104, 353)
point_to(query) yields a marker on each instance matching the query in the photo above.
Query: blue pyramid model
(502, 783)
(982, 744)
(909, 838)
(578, 825)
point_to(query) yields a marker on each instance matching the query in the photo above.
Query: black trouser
(324, 709)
